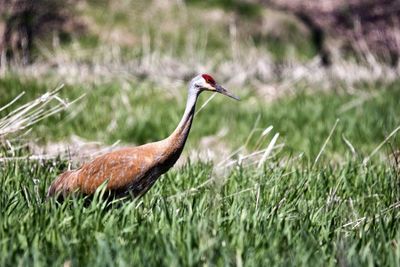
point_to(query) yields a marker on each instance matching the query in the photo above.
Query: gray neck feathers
(181, 132)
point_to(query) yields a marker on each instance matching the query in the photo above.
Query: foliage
(315, 202)
(244, 8)
(24, 21)
(143, 112)
(369, 27)
(288, 214)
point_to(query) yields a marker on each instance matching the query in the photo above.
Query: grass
(139, 112)
(288, 212)
(292, 210)
(278, 215)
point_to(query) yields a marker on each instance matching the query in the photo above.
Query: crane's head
(204, 82)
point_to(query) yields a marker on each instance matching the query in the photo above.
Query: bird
(134, 170)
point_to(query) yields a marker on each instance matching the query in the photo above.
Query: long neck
(180, 134)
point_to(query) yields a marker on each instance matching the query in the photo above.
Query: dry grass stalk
(25, 116)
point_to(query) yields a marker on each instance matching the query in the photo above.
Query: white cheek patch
(209, 87)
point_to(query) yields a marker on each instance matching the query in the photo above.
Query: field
(326, 192)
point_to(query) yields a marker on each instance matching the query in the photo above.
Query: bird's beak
(223, 91)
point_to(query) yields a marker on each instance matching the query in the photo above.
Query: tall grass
(142, 112)
(308, 179)
(314, 203)
(286, 214)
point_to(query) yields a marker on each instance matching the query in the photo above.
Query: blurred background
(298, 66)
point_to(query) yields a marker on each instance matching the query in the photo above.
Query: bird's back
(132, 169)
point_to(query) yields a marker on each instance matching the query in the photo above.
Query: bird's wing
(120, 168)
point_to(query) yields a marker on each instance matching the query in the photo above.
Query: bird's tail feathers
(60, 185)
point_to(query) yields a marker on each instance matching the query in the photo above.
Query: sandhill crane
(133, 170)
